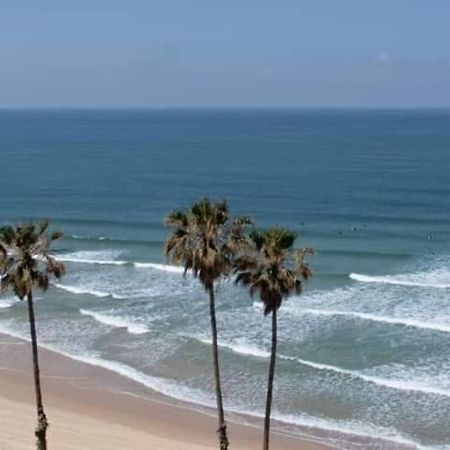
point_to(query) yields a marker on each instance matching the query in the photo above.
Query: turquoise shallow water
(366, 348)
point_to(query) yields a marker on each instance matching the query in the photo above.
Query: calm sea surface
(365, 350)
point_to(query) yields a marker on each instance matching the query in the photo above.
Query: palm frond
(25, 259)
(205, 239)
(267, 270)
(176, 219)
(56, 235)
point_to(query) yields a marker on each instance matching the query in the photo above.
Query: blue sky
(210, 53)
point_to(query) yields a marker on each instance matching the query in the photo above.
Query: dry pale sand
(83, 415)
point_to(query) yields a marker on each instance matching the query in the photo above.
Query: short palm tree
(25, 264)
(273, 270)
(204, 241)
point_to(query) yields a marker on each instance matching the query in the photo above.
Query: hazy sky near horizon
(206, 53)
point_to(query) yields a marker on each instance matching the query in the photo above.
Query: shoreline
(91, 405)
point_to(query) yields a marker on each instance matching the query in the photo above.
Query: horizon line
(211, 108)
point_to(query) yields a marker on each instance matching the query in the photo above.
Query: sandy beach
(86, 410)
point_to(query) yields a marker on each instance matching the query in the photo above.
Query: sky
(234, 53)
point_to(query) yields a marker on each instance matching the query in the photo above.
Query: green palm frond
(3, 256)
(177, 219)
(205, 239)
(272, 269)
(25, 261)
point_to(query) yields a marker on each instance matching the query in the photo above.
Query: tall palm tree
(25, 264)
(274, 270)
(204, 241)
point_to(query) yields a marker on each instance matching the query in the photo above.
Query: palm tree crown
(273, 269)
(24, 258)
(205, 239)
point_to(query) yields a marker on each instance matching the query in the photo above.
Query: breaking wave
(162, 267)
(107, 258)
(81, 290)
(404, 321)
(247, 349)
(401, 280)
(114, 321)
(93, 257)
(7, 302)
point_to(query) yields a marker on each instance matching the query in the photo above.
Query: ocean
(364, 352)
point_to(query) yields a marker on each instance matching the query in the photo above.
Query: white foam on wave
(92, 261)
(413, 280)
(239, 346)
(93, 257)
(108, 258)
(196, 396)
(404, 321)
(248, 349)
(350, 428)
(161, 267)
(259, 305)
(81, 237)
(88, 291)
(402, 385)
(7, 302)
(114, 321)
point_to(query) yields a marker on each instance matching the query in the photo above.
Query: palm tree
(205, 240)
(26, 264)
(274, 270)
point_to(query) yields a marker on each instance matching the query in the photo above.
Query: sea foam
(248, 349)
(107, 258)
(87, 291)
(115, 321)
(403, 321)
(412, 280)
(7, 302)
(161, 267)
(93, 257)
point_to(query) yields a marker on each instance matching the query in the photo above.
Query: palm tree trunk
(270, 381)
(41, 429)
(222, 431)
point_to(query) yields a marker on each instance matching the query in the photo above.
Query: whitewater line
(379, 381)
(114, 262)
(394, 281)
(442, 327)
(115, 321)
(8, 302)
(161, 267)
(85, 291)
(93, 261)
(402, 385)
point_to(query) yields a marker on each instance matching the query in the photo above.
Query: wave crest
(161, 267)
(399, 280)
(114, 321)
(7, 302)
(247, 349)
(88, 291)
(404, 321)
(93, 257)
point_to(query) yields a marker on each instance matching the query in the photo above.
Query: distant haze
(206, 53)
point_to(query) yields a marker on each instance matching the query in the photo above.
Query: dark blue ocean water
(366, 348)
